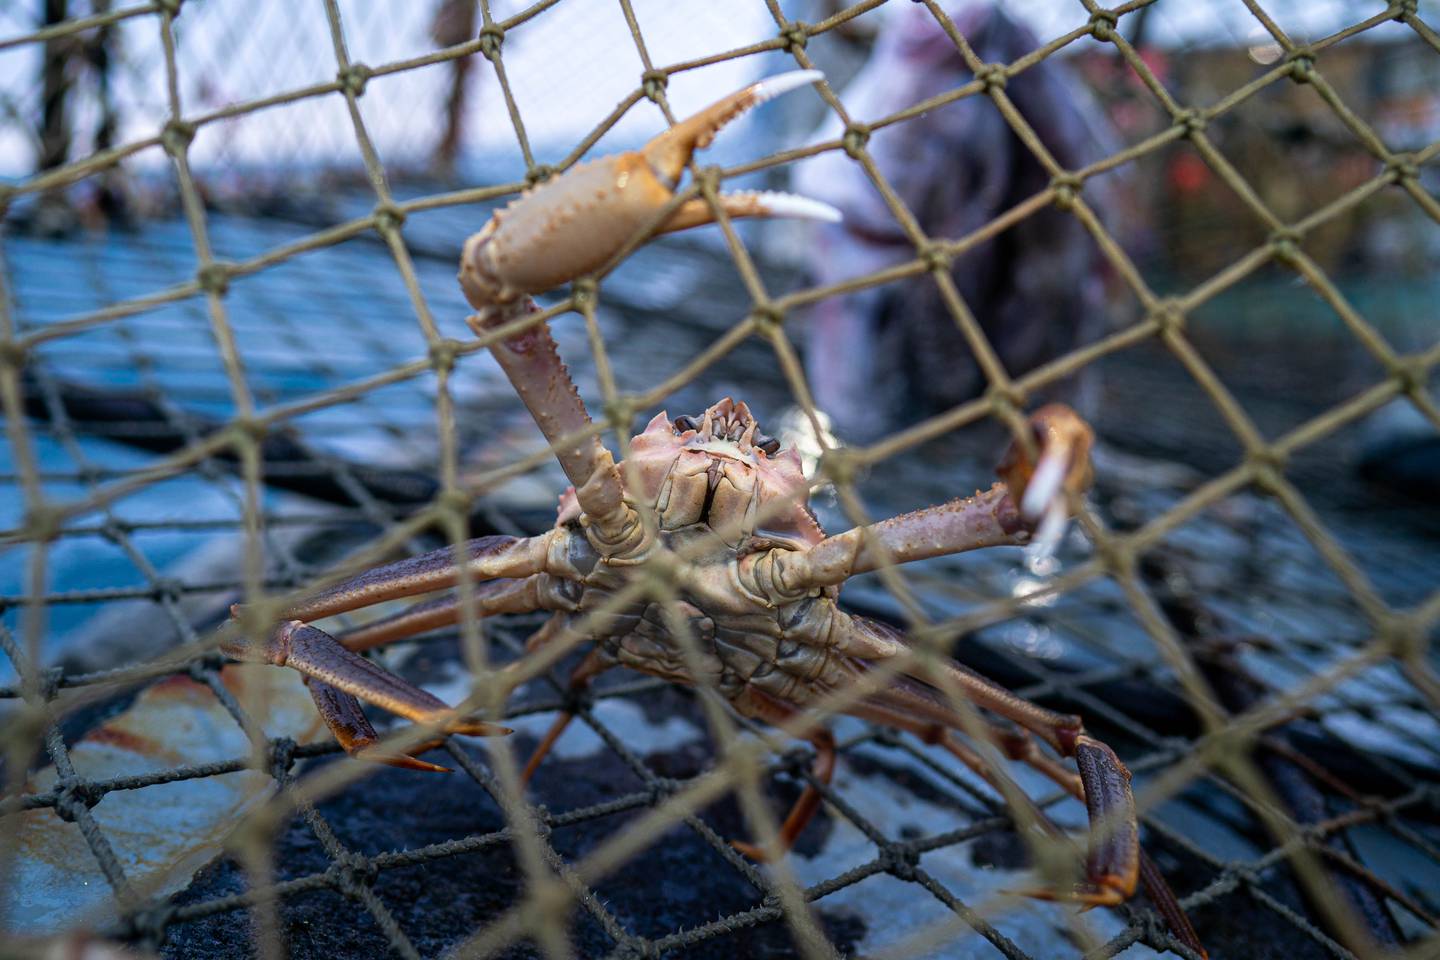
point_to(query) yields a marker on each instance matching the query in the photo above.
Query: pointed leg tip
(479, 728)
(1088, 896)
(772, 87)
(400, 760)
(750, 851)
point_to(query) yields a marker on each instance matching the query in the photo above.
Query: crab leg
(352, 730)
(985, 520)
(862, 642)
(341, 710)
(485, 558)
(337, 675)
(532, 362)
(775, 712)
(1113, 863)
(538, 592)
(319, 656)
(1032, 503)
(594, 664)
(1115, 860)
(913, 702)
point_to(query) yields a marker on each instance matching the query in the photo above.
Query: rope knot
(388, 218)
(73, 796)
(282, 757)
(620, 413)
(353, 79)
(993, 77)
(214, 278)
(1402, 166)
(1302, 64)
(491, 39)
(13, 353)
(899, 860)
(1102, 25)
(767, 319)
(351, 873)
(1168, 316)
(654, 82)
(176, 137)
(443, 354)
(1067, 187)
(934, 258)
(1268, 468)
(583, 291)
(1192, 121)
(42, 523)
(837, 465)
(1285, 245)
(796, 35)
(856, 136)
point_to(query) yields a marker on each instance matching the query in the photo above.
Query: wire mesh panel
(235, 368)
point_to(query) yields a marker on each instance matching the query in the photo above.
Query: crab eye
(770, 445)
(686, 423)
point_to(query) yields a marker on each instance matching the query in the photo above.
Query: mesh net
(224, 371)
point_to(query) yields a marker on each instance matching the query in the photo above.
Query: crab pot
(236, 369)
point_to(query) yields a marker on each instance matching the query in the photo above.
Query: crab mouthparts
(728, 422)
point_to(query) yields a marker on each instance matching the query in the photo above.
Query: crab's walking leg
(341, 711)
(1033, 502)
(336, 675)
(772, 711)
(538, 592)
(485, 558)
(320, 657)
(352, 730)
(985, 520)
(1115, 860)
(915, 702)
(532, 362)
(594, 664)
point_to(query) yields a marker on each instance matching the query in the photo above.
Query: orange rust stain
(123, 739)
(176, 686)
(233, 680)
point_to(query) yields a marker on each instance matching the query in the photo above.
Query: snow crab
(720, 510)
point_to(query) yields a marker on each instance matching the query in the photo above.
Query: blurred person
(77, 78)
(454, 23)
(887, 355)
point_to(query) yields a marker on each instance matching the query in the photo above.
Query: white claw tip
(1047, 537)
(792, 205)
(772, 87)
(1044, 486)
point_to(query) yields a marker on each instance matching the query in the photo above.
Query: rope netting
(1230, 750)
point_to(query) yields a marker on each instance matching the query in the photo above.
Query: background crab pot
(237, 371)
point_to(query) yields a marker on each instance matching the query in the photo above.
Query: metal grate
(1223, 744)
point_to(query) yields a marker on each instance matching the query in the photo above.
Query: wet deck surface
(339, 315)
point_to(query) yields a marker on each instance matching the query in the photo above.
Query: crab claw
(1045, 489)
(1112, 865)
(336, 677)
(572, 225)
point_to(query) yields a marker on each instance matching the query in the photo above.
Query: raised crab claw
(713, 498)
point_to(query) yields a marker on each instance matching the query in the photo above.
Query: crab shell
(718, 477)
